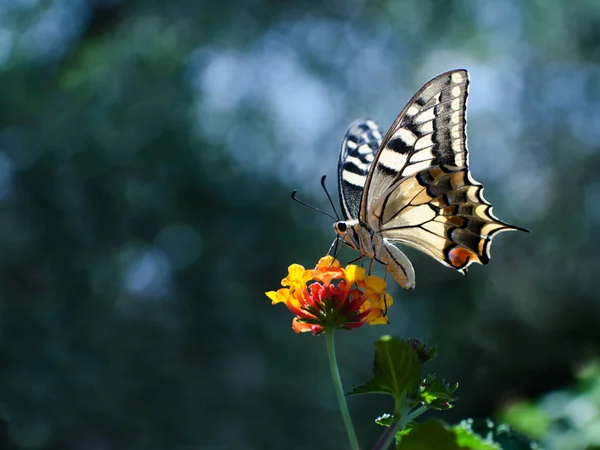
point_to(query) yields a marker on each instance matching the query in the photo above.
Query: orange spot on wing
(436, 173)
(456, 221)
(459, 257)
(449, 210)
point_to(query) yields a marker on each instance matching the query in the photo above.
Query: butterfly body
(372, 244)
(413, 186)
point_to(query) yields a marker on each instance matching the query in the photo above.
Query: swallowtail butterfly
(413, 186)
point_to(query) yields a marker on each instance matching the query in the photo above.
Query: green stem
(388, 436)
(339, 390)
(416, 413)
(400, 421)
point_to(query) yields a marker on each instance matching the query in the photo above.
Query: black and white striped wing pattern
(361, 142)
(419, 190)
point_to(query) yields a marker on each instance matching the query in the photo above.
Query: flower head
(331, 297)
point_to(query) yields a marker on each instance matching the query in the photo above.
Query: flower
(332, 297)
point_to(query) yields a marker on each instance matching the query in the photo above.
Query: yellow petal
(281, 296)
(273, 296)
(328, 262)
(375, 284)
(381, 320)
(389, 301)
(381, 301)
(376, 316)
(295, 275)
(354, 273)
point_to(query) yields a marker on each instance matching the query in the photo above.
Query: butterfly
(413, 185)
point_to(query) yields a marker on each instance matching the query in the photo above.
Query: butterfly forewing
(430, 131)
(361, 142)
(419, 190)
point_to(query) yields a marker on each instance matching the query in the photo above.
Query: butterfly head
(348, 232)
(341, 228)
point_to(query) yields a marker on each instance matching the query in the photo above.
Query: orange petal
(300, 327)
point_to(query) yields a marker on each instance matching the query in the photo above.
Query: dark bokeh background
(147, 153)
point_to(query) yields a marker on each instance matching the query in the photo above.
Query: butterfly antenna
(329, 197)
(311, 207)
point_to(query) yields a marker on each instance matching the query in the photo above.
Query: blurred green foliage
(468, 434)
(566, 418)
(147, 153)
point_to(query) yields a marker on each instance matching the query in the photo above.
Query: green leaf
(410, 426)
(502, 434)
(436, 393)
(369, 387)
(385, 420)
(468, 438)
(437, 435)
(424, 351)
(396, 369)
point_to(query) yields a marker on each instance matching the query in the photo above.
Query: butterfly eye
(341, 227)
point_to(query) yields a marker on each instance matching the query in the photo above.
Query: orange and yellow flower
(331, 297)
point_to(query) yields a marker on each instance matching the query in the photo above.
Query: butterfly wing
(361, 142)
(397, 264)
(420, 191)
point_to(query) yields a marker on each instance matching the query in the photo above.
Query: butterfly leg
(333, 244)
(384, 311)
(371, 265)
(356, 259)
(386, 271)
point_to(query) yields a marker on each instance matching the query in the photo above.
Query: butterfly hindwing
(398, 265)
(361, 142)
(443, 214)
